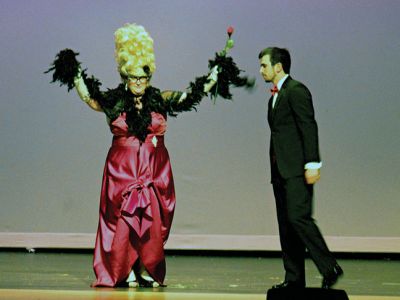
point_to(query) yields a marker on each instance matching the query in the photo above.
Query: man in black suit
(295, 167)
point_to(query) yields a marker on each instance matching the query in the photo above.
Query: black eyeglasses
(141, 79)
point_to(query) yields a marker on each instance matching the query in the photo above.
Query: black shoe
(288, 285)
(330, 279)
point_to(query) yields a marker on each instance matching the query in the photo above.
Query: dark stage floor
(194, 274)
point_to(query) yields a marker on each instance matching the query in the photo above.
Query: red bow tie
(274, 90)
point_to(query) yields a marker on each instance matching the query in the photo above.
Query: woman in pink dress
(137, 197)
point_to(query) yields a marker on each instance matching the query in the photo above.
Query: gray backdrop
(53, 147)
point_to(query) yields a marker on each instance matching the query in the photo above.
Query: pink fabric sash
(136, 208)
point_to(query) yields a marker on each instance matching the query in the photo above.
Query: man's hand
(312, 175)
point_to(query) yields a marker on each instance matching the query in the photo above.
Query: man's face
(267, 71)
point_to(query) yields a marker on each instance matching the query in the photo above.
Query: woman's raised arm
(84, 94)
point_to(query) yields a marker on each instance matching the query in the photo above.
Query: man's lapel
(281, 95)
(270, 109)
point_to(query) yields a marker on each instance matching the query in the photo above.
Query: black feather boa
(195, 93)
(228, 74)
(119, 100)
(65, 68)
(115, 101)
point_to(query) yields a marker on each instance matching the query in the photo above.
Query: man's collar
(280, 82)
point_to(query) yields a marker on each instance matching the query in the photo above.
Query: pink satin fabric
(136, 205)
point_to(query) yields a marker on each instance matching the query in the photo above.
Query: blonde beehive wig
(134, 51)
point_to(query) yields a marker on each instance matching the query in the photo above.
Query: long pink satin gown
(136, 206)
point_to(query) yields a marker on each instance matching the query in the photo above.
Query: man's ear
(278, 67)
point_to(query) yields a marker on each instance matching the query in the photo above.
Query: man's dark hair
(278, 55)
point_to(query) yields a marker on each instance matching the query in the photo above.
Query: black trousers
(297, 228)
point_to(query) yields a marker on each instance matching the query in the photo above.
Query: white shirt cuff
(313, 165)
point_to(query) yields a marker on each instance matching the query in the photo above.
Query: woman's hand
(212, 79)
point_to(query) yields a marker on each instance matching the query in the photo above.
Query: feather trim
(194, 96)
(228, 74)
(65, 68)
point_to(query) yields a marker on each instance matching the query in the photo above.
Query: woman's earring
(126, 86)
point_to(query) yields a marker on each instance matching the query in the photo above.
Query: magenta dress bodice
(136, 205)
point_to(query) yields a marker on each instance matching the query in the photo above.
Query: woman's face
(137, 84)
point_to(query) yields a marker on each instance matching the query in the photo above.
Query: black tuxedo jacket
(294, 132)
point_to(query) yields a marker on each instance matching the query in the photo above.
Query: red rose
(230, 31)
